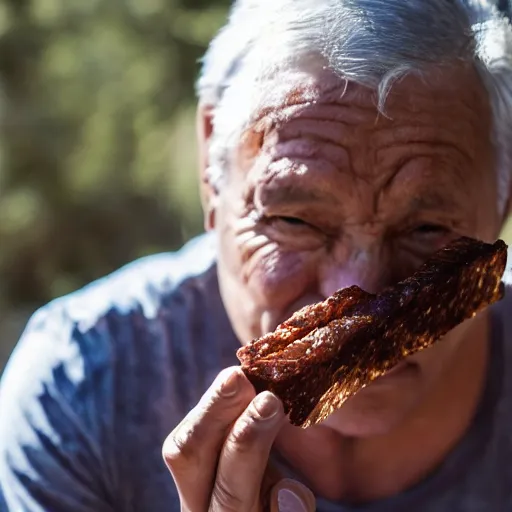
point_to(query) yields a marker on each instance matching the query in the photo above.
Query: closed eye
(293, 221)
(292, 225)
(430, 229)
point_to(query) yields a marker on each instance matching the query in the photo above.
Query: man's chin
(379, 407)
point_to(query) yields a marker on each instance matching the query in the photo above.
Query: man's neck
(361, 470)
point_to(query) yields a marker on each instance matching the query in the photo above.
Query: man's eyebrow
(432, 201)
(291, 194)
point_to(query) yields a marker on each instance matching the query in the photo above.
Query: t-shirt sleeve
(50, 455)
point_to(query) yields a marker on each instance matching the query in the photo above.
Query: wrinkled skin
(324, 192)
(340, 195)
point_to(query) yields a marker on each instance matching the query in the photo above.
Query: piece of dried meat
(328, 351)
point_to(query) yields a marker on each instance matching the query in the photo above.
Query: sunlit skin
(340, 195)
(324, 192)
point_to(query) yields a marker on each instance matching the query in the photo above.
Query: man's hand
(218, 454)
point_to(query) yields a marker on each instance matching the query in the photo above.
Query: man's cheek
(280, 277)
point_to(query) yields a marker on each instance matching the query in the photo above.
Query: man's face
(324, 192)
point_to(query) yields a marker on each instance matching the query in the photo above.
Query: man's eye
(430, 230)
(294, 221)
(295, 233)
(424, 239)
(295, 225)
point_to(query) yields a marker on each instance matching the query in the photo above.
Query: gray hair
(370, 42)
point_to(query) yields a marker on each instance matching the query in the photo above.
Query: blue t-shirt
(102, 376)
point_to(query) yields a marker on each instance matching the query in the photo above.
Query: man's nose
(367, 268)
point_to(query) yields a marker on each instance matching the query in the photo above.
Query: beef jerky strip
(314, 371)
(305, 320)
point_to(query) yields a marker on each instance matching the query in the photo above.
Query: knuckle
(244, 435)
(180, 448)
(224, 499)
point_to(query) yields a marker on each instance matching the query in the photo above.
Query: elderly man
(341, 142)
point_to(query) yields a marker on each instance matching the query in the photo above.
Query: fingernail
(292, 496)
(267, 405)
(230, 385)
(288, 501)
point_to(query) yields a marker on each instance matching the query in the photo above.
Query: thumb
(291, 496)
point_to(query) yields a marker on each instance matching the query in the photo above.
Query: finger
(271, 477)
(192, 450)
(245, 455)
(291, 496)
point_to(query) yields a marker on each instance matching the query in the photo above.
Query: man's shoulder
(136, 323)
(143, 285)
(117, 318)
(105, 352)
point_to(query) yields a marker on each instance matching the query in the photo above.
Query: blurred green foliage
(97, 156)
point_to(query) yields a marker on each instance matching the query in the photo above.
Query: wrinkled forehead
(311, 127)
(450, 95)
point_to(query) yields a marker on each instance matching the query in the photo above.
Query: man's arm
(50, 459)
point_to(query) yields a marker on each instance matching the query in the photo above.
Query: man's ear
(208, 192)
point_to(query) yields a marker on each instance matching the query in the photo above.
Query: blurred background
(97, 149)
